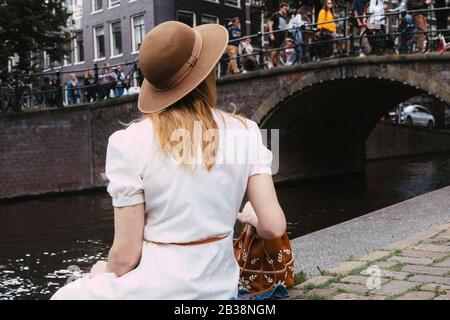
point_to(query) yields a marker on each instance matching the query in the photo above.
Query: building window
(68, 4)
(113, 3)
(68, 59)
(233, 3)
(99, 42)
(138, 33)
(187, 17)
(97, 5)
(46, 58)
(56, 64)
(116, 38)
(79, 47)
(206, 18)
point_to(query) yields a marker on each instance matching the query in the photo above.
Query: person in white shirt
(298, 24)
(377, 18)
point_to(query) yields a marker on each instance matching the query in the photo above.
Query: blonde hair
(197, 106)
(73, 77)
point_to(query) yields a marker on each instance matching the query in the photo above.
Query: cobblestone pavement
(415, 268)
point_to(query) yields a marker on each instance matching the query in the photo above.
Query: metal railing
(23, 91)
(346, 39)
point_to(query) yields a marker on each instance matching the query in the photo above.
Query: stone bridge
(326, 110)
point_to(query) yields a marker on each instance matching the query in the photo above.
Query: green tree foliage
(31, 26)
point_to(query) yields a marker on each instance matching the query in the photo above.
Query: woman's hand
(98, 268)
(248, 215)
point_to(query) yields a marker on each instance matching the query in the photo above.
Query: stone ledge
(420, 279)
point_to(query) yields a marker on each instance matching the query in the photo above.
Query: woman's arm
(126, 250)
(270, 222)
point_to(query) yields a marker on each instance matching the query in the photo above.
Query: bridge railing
(21, 91)
(317, 43)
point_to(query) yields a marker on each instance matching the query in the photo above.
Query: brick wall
(64, 150)
(105, 121)
(58, 150)
(387, 140)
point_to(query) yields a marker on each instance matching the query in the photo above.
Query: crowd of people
(21, 89)
(297, 27)
(111, 82)
(306, 32)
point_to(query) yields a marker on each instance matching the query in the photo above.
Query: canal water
(45, 243)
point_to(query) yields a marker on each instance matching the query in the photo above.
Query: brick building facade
(110, 31)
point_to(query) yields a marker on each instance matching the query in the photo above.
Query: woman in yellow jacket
(325, 19)
(326, 16)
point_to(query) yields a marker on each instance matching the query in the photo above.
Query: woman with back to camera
(174, 220)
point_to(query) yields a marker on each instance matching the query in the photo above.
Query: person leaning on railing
(73, 90)
(298, 24)
(358, 20)
(49, 92)
(107, 80)
(326, 17)
(91, 86)
(325, 24)
(234, 33)
(249, 61)
(420, 18)
(277, 22)
(120, 82)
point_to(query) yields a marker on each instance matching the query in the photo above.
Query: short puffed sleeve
(122, 170)
(262, 156)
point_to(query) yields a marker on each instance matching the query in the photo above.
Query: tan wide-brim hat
(174, 59)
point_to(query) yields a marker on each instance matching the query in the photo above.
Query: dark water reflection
(43, 242)
(316, 205)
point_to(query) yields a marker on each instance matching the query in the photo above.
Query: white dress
(181, 206)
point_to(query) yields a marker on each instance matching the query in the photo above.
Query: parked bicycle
(322, 45)
(17, 93)
(7, 98)
(375, 40)
(31, 98)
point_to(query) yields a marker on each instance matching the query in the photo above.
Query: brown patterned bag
(263, 263)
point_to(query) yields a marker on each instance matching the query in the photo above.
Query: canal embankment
(327, 248)
(388, 140)
(63, 150)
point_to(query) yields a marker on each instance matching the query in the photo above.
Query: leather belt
(193, 243)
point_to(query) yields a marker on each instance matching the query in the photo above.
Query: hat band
(184, 71)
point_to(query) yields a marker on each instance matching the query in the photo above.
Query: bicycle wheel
(365, 46)
(39, 98)
(403, 42)
(426, 41)
(410, 41)
(31, 99)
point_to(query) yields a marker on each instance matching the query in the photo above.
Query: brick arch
(398, 74)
